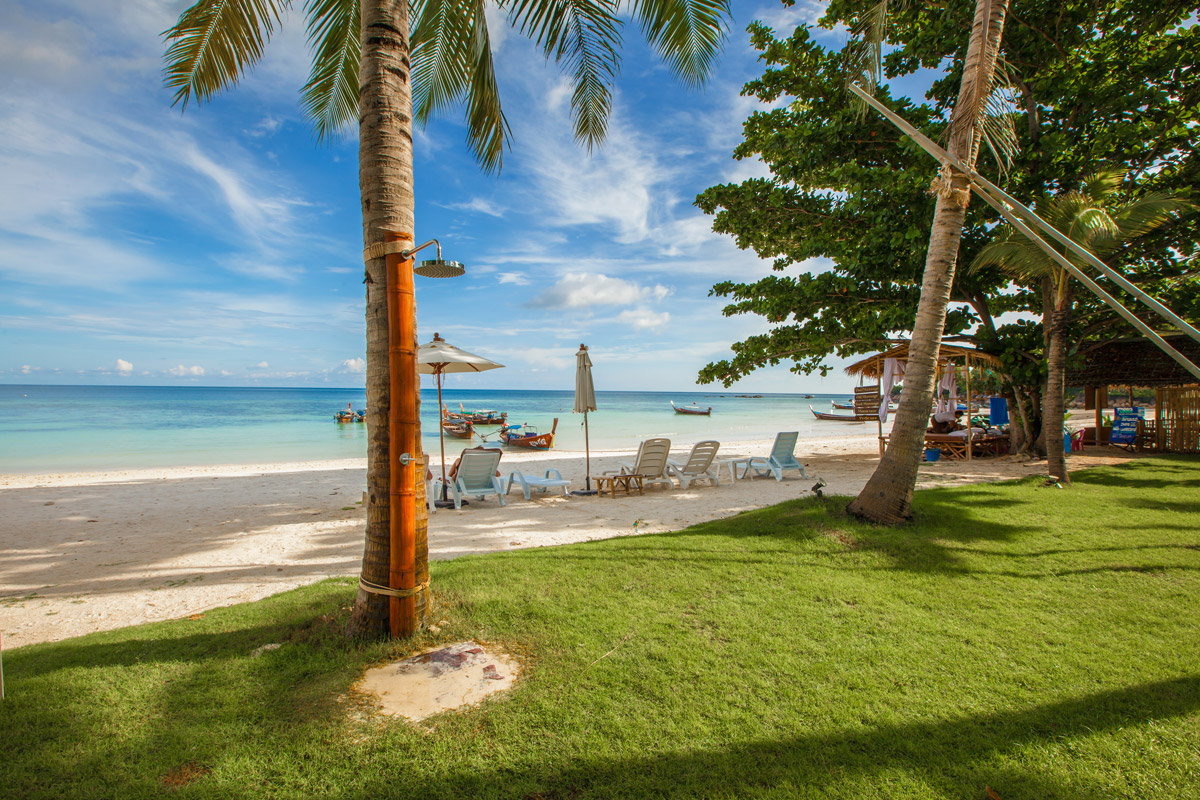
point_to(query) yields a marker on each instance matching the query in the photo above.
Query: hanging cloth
(893, 369)
(949, 385)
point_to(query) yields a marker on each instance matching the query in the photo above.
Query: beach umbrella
(585, 401)
(437, 358)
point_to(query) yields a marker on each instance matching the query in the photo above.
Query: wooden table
(626, 483)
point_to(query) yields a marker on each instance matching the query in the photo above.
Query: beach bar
(1138, 363)
(876, 367)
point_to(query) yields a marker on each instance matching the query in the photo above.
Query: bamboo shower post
(402, 438)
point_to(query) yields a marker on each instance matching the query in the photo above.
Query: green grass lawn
(1039, 641)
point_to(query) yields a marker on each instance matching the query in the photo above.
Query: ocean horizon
(65, 428)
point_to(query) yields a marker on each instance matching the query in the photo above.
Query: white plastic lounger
(553, 480)
(699, 465)
(651, 462)
(476, 476)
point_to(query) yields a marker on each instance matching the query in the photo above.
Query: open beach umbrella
(585, 401)
(437, 358)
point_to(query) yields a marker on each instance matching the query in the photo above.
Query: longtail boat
(481, 416)
(527, 436)
(834, 417)
(697, 411)
(457, 427)
(843, 406)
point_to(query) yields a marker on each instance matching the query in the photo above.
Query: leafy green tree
(1095, 82)
(365, 69)
(1094, 217)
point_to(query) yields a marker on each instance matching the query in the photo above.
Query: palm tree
(364, 69)
(1092, 217)
(887, 497)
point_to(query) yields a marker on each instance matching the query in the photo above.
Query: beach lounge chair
(782, 457)
(476, 476)
(651, 462)
(699, 465)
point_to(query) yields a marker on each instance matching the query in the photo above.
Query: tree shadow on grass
(954, 757)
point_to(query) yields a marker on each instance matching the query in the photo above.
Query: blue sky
(222, 246)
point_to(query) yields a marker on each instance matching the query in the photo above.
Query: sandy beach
(86, 552)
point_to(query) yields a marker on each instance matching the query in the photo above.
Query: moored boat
(843, 406)
(527, 436)
(457, 427)
(477, 416)
(834, 417)
(696, 411)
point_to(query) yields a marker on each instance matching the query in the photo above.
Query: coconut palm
(365, 68)
(887, 497)
(1093, 217)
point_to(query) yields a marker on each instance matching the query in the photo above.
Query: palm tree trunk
(385, 179)
(1053, 410)
(887, 497)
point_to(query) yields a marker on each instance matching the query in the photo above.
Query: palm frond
(441, 42)
(1015, 256)
(997, 118)
(688, 34)
(214, 42)
(487, 128)
(864, 55)
(331, 95)
(583, 36)
(1100, 186)
(1150, 211)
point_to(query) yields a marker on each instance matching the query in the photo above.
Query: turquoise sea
(87, 428)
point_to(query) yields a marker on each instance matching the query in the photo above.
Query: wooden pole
(402, 438)
(442, 431)
(970, 428)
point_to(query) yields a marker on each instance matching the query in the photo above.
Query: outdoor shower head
(437, 268)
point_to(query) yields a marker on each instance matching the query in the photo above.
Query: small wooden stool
(626, 483)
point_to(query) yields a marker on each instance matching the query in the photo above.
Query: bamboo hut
(949, 356)
(1137, 362)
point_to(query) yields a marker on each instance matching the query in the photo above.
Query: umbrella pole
(587, 451)
(442, 432)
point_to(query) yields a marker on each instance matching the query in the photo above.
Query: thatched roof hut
(1133, 362)
(872, 366)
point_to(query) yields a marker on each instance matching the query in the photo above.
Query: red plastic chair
(1077, 441)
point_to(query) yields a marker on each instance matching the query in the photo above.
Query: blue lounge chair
(782, 457)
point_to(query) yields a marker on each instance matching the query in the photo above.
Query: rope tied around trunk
(943, 187)
(381, 249)
(374, 588)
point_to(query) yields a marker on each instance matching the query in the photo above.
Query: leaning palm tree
(1095, 218)
(366, 69)
(887, 496)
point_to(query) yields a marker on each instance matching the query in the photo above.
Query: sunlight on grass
(1038, 641)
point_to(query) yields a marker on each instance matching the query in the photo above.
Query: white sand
(95, 551)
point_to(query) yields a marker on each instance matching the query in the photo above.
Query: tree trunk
(385, 177)
(887, 497)
(1053, 410)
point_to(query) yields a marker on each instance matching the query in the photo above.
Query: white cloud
(225, 373)
(182, 371)
(479, 205)
(354, 365)
(26, 369)
(265, 127)
(515, 278)
(641, 319)
(124, 367)
(264, 365)
(584, 289)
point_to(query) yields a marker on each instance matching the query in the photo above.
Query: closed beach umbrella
(585, 401)
(437, 358)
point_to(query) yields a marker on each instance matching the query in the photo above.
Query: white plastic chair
(476, 476)
(782, 457)
(651, 461)
(699, 465)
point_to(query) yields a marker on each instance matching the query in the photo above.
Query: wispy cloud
(583, 290)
